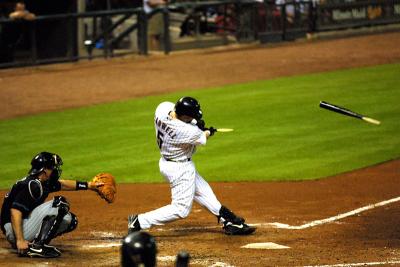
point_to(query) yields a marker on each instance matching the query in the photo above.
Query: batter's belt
(183, 160)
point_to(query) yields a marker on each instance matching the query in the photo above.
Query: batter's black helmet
(138, 248)
(46, 160)
(188, 106)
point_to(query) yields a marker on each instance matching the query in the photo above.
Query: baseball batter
(179, 129)
(28, 222)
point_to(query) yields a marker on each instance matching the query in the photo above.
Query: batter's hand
(212, 130)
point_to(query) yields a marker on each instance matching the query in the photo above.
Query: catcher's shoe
(133, 224)
(238, 229)
(42, 251)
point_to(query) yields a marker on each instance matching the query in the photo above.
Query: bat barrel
(339, 109)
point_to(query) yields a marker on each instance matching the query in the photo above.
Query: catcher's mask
(47, 160)
(188, 106)
(138, 249)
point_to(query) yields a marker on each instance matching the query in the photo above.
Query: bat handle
(370, 120)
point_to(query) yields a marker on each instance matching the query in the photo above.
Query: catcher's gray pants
(31, 225)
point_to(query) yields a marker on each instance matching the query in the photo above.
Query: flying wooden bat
(347, 112)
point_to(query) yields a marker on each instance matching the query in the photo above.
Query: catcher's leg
(56, 224)
(32, 225)
(52, 226)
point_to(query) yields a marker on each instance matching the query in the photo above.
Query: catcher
(28, 222)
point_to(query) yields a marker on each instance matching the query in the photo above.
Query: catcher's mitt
(106, 186)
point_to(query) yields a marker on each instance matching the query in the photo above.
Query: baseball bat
(224, 130)
(347, 112)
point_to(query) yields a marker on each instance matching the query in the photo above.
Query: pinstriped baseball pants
(186, 185)
(31, 225)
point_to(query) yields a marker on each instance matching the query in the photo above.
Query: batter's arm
(16, 222)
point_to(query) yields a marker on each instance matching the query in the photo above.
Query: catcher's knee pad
(73, 224)
(62, 204)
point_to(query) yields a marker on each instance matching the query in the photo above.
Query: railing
(69, 23)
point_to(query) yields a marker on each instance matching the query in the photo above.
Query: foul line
(298, 227)
(330, 219)
(357, 264)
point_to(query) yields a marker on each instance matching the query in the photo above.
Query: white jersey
(176, 139)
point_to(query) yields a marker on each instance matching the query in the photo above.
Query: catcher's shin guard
(51, 223)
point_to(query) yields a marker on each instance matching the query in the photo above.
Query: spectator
(226, 20)
(12, 34)
(20, 12)
(156, 25)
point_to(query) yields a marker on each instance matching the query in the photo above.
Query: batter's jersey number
(160, 139)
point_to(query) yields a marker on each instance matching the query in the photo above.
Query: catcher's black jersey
(25, 195)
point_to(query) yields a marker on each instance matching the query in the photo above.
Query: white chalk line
(299, 227)
(357, 264)
(334, 218)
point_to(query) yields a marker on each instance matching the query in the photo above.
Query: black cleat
(42, 251)
(133, 224)
(238, 229)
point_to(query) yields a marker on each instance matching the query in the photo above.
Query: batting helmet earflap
(46, 160)
(138, 248)
(188, 106)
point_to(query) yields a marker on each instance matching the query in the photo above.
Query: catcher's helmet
(138, 248)
(188, 106)
(46, 160)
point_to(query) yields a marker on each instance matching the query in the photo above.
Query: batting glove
(212, 130)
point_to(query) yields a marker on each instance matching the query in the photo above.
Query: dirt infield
(369, 236)
(287, 213)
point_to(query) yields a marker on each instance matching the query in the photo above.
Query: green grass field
(280, 131)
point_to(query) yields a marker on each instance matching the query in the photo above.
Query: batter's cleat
(42, 251)
(238, 229)
(133, 224)
(226, 215)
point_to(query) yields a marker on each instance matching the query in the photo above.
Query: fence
(42, 50)
(246, 20)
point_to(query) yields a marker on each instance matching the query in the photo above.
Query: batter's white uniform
(177, 141)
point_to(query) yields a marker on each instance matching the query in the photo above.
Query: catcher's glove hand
(105, 186)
